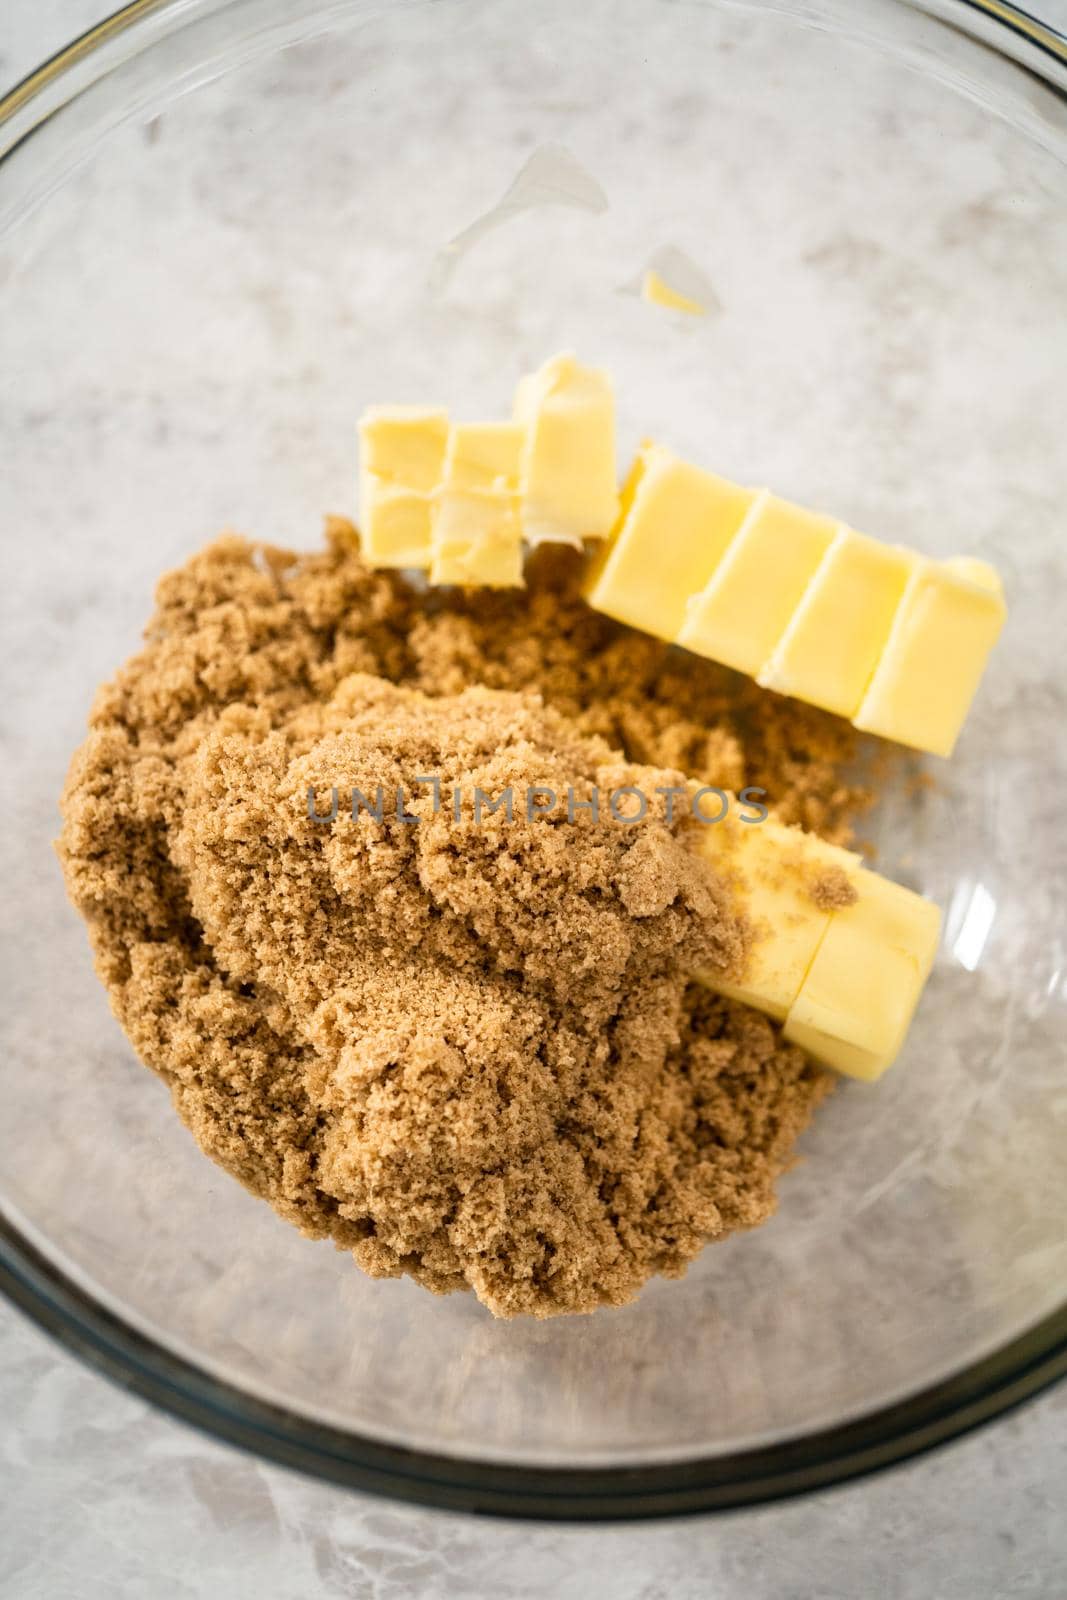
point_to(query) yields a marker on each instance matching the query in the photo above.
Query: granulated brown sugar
(832, 890)
(463, 1049)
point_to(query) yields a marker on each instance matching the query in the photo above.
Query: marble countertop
(100, 1495)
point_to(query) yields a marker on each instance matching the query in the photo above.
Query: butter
(946, 624)
(404, 445)
(769, 868)
(658, 292)
(402, 453)
(860, 992)
(743, 612)
(484, 456)
(837, 633)
(395, 524)
(477, 541)
(843, 981)
(477, 533)
(568, 485)
(675, 524)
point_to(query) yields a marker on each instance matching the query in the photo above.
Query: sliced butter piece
(402, 456)
(484, 456)
(477, 534)
(675, 524)
(569, 488)
(395, 524)
(404, 445)
(770, 869)
(658, 292)
(740, 616)
(948, 620)
(859, 995)
(837, 633)
(477, 540)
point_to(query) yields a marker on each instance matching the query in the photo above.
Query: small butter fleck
(658, 292)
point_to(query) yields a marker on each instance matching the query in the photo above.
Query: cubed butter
(948, 620)
(743, 612)
(477, 533)
(658, 292)
(675, 524)
(484, 456)
(404, 445)
(402, 456)
(837, 633)
(568, 489)
(860, 992)
(395, 524)
(771, 871)
(477, 540)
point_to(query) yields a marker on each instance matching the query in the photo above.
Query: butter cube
(569, 490)
(402, 456)
(404, 445)
(948, 620)
(771, 870)
(477, 534)
(837, 633)
(676, 522)
(743, 612)
(395, 524)
(477, 540)
(859, 995)
(484, 456)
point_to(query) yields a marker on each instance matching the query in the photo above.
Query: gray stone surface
(102, 1496)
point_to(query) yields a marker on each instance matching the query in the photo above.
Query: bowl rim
(817, 1459)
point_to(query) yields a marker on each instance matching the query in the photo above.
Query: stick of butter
(675, 522)
(569, 488)
(803, 604)
(948, 620)
(476, 533)
(843, 978)
(402, 457)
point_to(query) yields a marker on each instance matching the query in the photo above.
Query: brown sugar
(832, 889)
(461, 1043)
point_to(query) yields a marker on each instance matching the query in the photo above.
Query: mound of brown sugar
(462, 1046)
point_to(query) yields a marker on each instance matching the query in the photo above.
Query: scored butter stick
(800, 602)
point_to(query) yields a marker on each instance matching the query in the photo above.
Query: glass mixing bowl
(225, 226)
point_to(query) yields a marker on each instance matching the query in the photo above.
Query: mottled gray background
(100, 1496)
